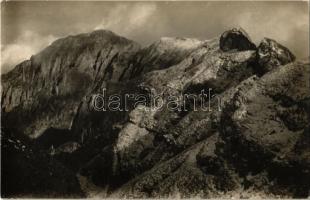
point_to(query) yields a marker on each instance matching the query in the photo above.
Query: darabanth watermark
(153, 102)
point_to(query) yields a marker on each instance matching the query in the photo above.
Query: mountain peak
(177, 42)
(236, 38)
(97, 36)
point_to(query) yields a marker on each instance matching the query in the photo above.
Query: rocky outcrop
(239, 153)
(236, 39)
(244, 149)
(272, 54)
(252, 133)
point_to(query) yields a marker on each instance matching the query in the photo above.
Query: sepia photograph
(155, 99)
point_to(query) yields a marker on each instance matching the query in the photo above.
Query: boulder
(236, 39)
(272, 54)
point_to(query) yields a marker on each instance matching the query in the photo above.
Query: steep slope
(205, 65)
(257, 143)
(150, 140)
(46, 90)
(252, 140)
(164, 53)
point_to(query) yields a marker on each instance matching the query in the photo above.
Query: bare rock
(272, 54)
(236, 39)
(246, 143)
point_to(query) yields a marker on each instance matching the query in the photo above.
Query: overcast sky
(28, 27)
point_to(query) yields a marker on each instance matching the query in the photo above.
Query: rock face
(164, 53)
(253, 140)
(48, 88)
(272, 54)
(236, 39)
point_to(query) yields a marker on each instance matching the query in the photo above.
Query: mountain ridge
(245, 148)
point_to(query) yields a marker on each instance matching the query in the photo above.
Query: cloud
(289, 26)
(126, 18)
(146, 22)
(26, 45)
(122, 18)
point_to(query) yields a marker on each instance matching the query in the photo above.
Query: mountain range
(54, 144)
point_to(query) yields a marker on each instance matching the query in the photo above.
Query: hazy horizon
(28, 27)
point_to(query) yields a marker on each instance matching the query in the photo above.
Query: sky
(28, 27)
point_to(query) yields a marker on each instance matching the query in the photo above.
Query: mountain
(252, 141)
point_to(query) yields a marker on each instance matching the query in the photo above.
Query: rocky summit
(253, 141)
